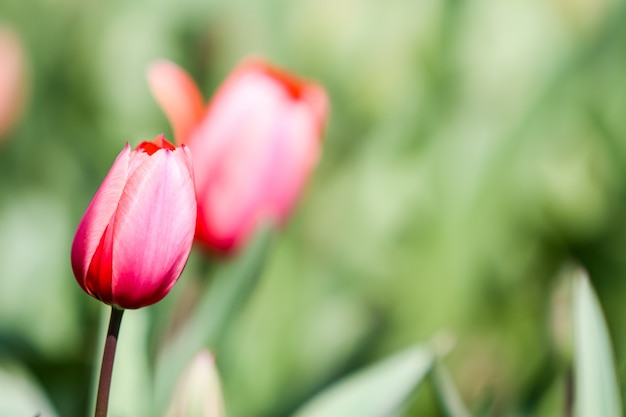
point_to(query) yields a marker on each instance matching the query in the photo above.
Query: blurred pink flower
(12, 79)
(134, 239)
(253, 146)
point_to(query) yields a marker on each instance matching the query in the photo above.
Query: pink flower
(134, 239)
(12, 79)
(253, 146)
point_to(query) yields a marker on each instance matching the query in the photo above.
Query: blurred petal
(295, 159)
(233, 160)
(315, 99)
(12, 79)
(253, 148)
(311, 95)
(178, 96)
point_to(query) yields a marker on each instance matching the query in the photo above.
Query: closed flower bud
(253, 146)
(198, 391)
(134, 239)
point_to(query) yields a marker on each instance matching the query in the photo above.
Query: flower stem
(106, 371)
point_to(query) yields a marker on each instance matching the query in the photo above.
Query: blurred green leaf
(597, 393)
(20, 396)
(230, 288)
(449, 397)
(551, 403)
(35, 279)
(130, 388)
(380, 390)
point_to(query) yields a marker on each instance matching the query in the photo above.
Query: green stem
(104, 386)
(569, 393)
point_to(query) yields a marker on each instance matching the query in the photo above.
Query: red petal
(157, 143)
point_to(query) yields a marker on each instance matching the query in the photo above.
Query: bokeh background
(473, 148)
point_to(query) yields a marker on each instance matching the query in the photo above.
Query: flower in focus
(12, 79)
(198, 391)
(134, 239)
(253, 146)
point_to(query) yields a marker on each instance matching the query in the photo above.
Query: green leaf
(380, 390)
(20, 396)
(130, 386)
(232, 285)
(597, 393)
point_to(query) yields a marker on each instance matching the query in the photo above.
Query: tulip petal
(295, 89)
(232, 158)
(297, 152)
(316, 100)
(97, 217)
(296, 135)
(253, 147)
(153, 229)
(99, 275)
(178, 95)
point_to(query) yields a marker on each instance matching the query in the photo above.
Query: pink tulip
(12, 79)
(253, 146)
(134, 239)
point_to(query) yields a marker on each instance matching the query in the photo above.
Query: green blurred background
(473, 148)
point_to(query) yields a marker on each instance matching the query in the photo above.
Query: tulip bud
(12, 79)
(253, 147)
(198, 392)
(134, 239)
